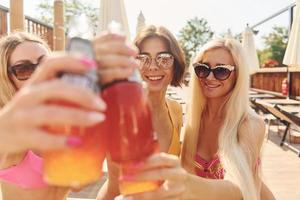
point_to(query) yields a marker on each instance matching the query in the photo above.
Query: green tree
(275, 43)
(72, 8)
(263, 56)
(193, 35)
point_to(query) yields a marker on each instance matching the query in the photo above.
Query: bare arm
(265, 193)
(110, 189)
(200, 188)
(256, 140)
(179, 184)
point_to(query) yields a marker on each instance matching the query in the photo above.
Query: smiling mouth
(211, 86)
(154, 78)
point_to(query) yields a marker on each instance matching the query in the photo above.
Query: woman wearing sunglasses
(161, 63)
(223, 138)
(24, 108)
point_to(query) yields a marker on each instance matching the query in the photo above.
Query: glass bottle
(131, 135)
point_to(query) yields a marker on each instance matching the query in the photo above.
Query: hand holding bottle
(114, 56)
(22, 119)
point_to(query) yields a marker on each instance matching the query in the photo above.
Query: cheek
(142, 73)
(230, 83)
(201, 83)
(18, 84)
(170, 74)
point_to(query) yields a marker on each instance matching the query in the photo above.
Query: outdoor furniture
(281, 101)
(283, 116)
(268, 117)
(170, 92)
(251, 92)
(261, 96)
(294, 110)
(293, 114)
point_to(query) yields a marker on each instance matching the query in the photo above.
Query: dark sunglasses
(163, 60)
(221, 72)
(23, 71)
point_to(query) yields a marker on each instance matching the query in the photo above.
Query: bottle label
(82, 80)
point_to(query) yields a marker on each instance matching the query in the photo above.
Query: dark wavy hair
(161, 32)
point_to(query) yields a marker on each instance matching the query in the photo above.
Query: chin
(156, 88)
(211, 95)
(215, 95)
(218, 93)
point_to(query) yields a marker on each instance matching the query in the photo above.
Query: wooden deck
(281, 169)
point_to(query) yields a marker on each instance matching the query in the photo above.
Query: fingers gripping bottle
(77, 166)
(131, 135)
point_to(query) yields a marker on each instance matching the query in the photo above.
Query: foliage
(275, 43)
(270, 63)
(193, 35)
(72, 8)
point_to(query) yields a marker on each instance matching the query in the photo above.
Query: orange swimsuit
(175, 146)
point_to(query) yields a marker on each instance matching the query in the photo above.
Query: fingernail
(117, 35)
(133, 51)
(73, 141)
(128, 198)
(100, 104)
(90, 64)
(96, 117)
(121, 197)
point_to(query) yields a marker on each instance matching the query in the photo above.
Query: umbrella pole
(288, 82)
(291, 11)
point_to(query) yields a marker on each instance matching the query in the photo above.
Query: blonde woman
(223, 137)
(161, 63)
(24, 108)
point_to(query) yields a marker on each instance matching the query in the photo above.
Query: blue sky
(220, 14)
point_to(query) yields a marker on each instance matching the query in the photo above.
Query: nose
(153, 65)
(211, 76)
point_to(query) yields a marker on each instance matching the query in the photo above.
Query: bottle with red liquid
(131, 135)
(77, 166)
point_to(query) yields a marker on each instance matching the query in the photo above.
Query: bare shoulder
(255, 126)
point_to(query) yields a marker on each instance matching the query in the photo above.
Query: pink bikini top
(209, 169)
(212, 169)
(27, 174)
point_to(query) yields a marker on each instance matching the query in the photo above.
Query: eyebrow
(26, 60)
(206, 63)
(156, 53)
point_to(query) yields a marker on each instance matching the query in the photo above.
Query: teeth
(212, 86)
(155, 78)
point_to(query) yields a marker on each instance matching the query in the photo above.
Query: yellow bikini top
(175, 146)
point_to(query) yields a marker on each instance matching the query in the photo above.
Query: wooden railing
(295, 83)
(270, 79)
(37, 27)
(3, 20)
(31, 25)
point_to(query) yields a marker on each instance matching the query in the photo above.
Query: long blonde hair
(236, 161)
(7, 45)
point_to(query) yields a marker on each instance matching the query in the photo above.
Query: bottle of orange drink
(77, 166)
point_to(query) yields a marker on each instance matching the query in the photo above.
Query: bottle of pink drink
(131, 138)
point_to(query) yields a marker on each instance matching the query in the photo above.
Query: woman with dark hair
(161, 63)
(223, 137)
